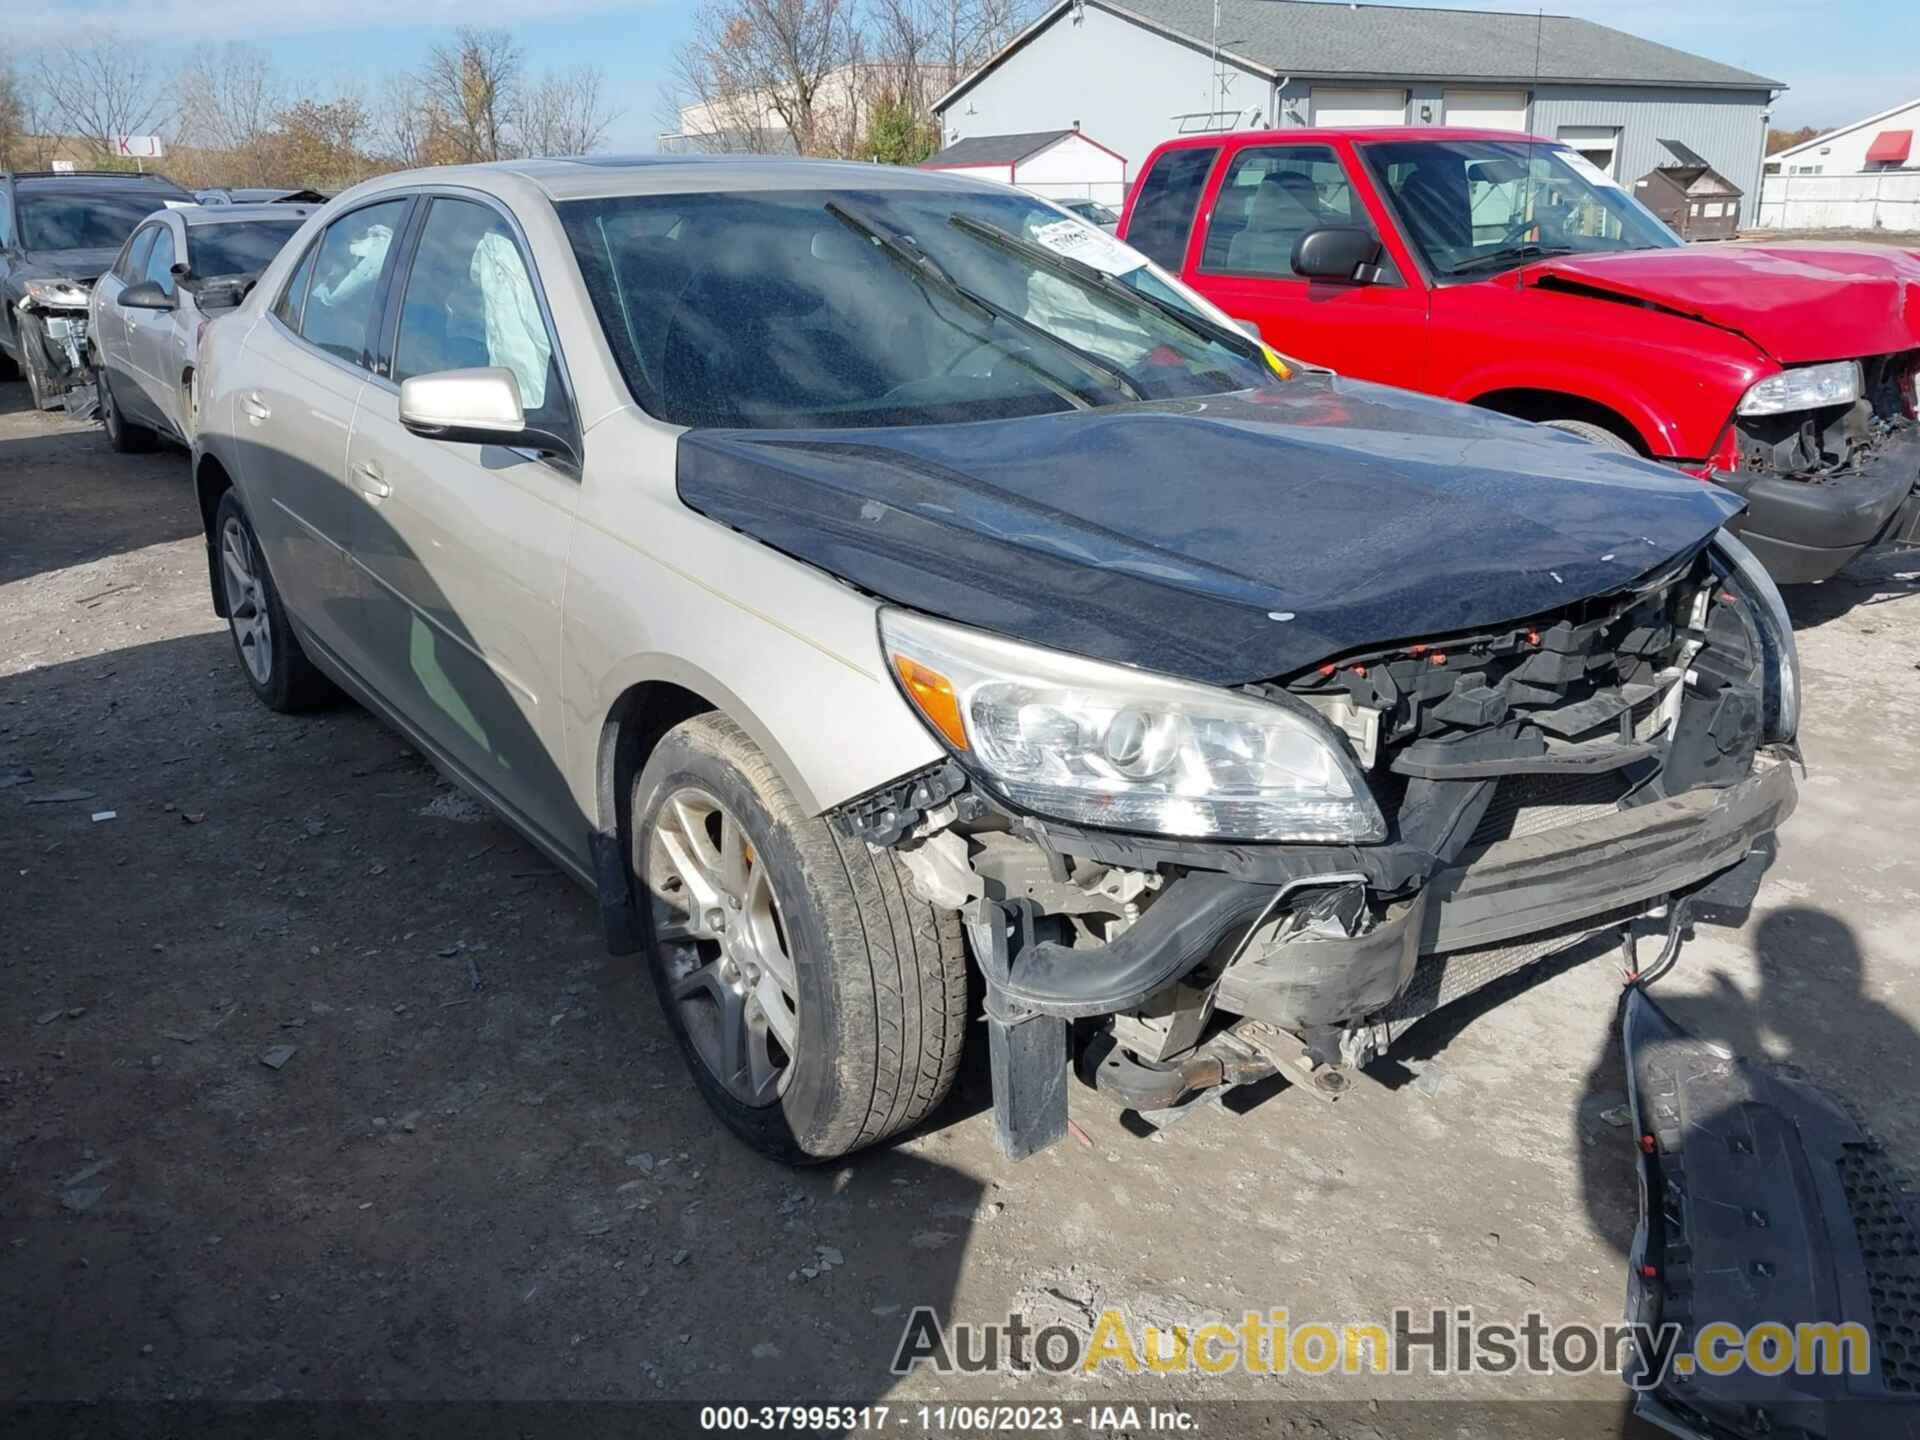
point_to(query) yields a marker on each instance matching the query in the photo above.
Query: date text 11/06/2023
(945, 1419)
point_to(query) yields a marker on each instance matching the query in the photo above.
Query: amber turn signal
(933, 693)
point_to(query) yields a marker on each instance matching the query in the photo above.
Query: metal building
(1141, 72)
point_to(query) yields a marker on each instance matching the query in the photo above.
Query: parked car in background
(58, 231)
(836, 569)
(178, 271)
(1093, 212)
(1512, 274)
(258, 195)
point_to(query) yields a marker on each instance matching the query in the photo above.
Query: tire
(125, 436)
(1598, 434)
(278, 671)
(873, 979)
(33, 360)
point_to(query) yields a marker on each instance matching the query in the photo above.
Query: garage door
(1341, 106)
(1488, 109)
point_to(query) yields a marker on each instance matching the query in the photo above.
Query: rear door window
(159, 263)
(1164, 209)
(1272, 195)
(347, 266)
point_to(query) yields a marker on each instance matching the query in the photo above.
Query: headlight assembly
(1780, 698)
(63, 293)
(1100, 744)
(1807, 387)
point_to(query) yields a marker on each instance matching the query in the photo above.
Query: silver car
(851, 573)
(181, 268)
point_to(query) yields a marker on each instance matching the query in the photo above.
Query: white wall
(1888, 200)
(1075, 169)
(1123, 84)
(1846, 153)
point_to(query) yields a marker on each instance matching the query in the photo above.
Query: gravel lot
(482, 1174)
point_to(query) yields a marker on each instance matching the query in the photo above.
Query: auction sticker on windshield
(1089, 246)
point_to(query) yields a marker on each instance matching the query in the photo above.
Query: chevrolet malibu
(855, 575)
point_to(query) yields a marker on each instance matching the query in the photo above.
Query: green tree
(896, 135)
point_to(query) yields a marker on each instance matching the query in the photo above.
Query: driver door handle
(369, 482)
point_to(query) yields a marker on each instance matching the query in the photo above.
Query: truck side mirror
(1338, 252)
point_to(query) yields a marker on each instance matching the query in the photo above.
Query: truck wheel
(33, 359)
(125, 436)
(277, 670)
(818, 1002)
(1598, 434)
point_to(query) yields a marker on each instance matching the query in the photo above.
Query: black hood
(1230, 539)
(85, 265)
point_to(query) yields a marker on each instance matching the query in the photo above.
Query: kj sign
(139, 147)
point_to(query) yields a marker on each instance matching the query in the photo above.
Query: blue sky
(1842, 60)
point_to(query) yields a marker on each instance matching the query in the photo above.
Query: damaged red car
(1514, 274)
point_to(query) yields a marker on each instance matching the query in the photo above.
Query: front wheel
(818, 1002)
(1598, 434)
(276, 668)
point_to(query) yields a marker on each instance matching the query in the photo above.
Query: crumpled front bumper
(1531, 885)
(1805, 530)
(1762, 1202)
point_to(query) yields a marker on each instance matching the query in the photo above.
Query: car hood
(86, 265)
(1227, 539)
(1798, 303)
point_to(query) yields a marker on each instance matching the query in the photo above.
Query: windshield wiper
(923, 267)
(1511, 255)
(1095, 278)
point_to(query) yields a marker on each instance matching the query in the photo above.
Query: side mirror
(147, 295)
(1338, 252)
(474, 407)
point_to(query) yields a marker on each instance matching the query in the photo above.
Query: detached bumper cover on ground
(1762, 1202)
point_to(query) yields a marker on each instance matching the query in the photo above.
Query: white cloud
(223, 20)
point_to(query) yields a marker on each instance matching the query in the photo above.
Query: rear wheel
(1598, 434)
(276, 668)
(125, 436)
(818, 1002)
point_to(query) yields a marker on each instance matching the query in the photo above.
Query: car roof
(93, 183)
(198, 215)
(600, 176)
(1325, 134)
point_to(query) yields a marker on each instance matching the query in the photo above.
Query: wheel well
(639, 718)
(210, 482)
(1538, 405)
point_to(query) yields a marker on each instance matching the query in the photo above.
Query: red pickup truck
(1512, 273)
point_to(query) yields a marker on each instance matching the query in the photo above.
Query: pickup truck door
(1263, 198)
(465, 546)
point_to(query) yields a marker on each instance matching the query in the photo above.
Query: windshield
(1473, 207)
(241, 248)
(812, 308)
(100, 221)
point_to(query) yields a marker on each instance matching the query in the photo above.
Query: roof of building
(1826, 136)
(994, 149)
(1310, 39)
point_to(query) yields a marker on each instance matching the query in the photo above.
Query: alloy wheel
(246, 601)
(727, 956)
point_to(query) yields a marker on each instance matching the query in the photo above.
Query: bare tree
(755, 75)
(100, 88)
(230, 100)
(473, 84)
(14, 107)
(567, 113)
(404, 126)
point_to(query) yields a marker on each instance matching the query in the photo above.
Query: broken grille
(1890, 1247)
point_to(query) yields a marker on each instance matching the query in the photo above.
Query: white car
(181, 268)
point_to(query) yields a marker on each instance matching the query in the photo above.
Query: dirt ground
(482, 1175)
